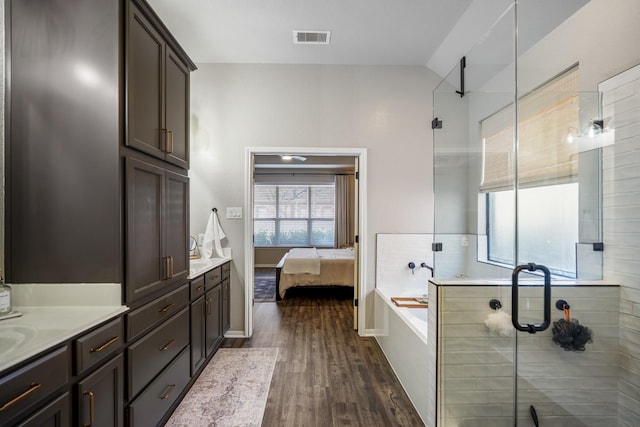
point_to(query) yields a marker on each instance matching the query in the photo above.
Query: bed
(313, 267)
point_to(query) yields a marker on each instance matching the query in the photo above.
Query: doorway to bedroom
(303, 200)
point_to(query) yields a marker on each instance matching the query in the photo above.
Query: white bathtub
(402, 335)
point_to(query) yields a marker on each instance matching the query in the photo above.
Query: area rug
(264, 284)
(231, 391)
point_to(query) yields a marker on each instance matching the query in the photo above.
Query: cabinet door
(176, 215)
(177, 110)
(55, 414)
(198, 337)
(214, 325)
(101, 396)
(226, 299)
(145, 64)
(145, 262)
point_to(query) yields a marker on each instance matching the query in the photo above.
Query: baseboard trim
(235, 334)
(265, 266)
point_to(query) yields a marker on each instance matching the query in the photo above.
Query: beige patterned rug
(231, 391)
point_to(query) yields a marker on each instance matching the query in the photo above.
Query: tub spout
(424, 265)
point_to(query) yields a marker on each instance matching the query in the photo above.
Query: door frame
(361, 154)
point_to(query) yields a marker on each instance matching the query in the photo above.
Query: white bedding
(336, 269)
(302, 261)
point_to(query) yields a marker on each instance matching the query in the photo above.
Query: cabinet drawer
(26, 387)
(197, 287)
(98, 345)
(145, 317)
(151, 354)
(213, 277)
(149, 408)
(226, 270)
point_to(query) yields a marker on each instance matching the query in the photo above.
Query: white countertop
(199, 266)
(40, 328)
(52, 314)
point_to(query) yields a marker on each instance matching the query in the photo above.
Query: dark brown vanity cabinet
(158, 88)
(100, 396)
(209, 313)
(157, 221)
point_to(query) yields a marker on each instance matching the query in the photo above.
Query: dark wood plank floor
(326, 375)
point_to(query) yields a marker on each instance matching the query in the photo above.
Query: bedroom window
(294, 215)
(547, 178)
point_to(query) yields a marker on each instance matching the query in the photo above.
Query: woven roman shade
(545, 118)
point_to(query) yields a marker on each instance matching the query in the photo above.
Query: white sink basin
(12, 337)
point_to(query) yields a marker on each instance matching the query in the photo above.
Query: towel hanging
(211, 246)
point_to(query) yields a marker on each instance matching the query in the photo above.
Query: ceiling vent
(311, 37)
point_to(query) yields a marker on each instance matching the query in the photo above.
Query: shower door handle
(530, 327)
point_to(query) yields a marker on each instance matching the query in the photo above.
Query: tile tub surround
(476, 374)
(52, 314)
(402, 336)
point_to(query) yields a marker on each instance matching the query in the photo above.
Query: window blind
(545, 118)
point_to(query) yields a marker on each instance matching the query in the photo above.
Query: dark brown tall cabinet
(157, 219)
(97, 191)
(158, 87)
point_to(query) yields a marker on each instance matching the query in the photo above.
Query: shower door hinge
(436, 124)
(436, 247)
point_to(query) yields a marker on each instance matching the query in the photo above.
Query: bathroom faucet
(424, 265)
(412, 266)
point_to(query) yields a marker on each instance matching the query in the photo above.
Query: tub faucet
(412, 266)
(424, 265)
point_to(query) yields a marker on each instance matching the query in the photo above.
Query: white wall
(385, 109)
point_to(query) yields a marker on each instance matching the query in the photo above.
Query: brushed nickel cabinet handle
(208, 305)
(166, 308)
(91, 408)
(171, 266)
(105, 345)
(199, 288)
(169, 344)
(32, 387)
(168, 391)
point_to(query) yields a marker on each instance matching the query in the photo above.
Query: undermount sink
(14, 336)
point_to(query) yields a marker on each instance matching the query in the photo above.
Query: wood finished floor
(326, 375)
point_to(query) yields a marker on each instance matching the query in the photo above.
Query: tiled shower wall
(621, 227)
(476, 367)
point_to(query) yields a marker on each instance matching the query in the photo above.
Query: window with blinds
(294, 215)
(546, 117)
(547, 168)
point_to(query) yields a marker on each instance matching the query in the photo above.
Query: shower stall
(527, 331)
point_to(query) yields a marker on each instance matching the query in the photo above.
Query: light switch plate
(234, 213)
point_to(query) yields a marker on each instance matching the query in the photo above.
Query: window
(547, 167)
(294, 215)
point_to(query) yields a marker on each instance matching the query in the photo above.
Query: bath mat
(231, 391)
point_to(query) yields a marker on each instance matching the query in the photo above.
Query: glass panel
(294, 201)
(459, 152)
(293, 233)
(322, 233)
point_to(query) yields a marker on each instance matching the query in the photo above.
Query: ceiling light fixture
(288, 157)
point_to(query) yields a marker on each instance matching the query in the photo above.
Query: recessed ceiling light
(311, 37)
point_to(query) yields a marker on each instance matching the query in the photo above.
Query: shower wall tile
(621, 228)
(477, 370)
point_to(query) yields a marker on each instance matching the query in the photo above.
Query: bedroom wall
(385, 109)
